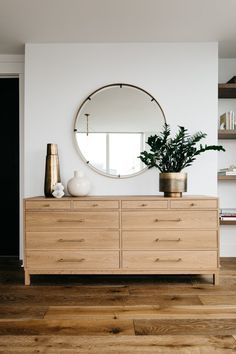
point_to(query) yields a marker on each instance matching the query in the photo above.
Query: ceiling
(54, 21)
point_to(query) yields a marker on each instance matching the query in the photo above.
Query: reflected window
(93, 146)
(113, 153)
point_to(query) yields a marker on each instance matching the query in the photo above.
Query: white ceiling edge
(20, 58)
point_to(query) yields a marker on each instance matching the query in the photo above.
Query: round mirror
(112, 126)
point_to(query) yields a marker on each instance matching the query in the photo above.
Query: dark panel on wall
(9, 176)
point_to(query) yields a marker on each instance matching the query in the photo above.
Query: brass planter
(173, 184)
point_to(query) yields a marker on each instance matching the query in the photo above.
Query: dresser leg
(27, 278)
(216, 279)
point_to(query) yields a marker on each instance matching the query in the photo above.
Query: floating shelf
(226, 134)
(227, 90)
(226, 177)
(227, 222)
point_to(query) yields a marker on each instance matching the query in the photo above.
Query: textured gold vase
(52, 170)
(173, 184)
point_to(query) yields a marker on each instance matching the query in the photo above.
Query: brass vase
(52, 171)
(173, 184)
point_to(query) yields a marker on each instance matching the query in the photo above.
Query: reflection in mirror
(112, 126)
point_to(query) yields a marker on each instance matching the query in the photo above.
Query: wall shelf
(226, 134)
(226, 177)
(227, 222)
(227, 90)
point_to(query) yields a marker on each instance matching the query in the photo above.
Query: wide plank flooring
(117, 314)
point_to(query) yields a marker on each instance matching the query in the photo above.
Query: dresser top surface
(123, 197)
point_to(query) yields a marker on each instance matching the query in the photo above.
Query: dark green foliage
(174, 154)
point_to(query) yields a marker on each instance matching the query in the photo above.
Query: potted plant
(171, 155)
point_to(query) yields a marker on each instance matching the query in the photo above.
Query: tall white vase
(78, 185)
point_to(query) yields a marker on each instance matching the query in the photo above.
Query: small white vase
(58, 190)
(78, 185)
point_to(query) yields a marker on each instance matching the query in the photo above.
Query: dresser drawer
(174, 219)
(74, 260)
(47, 204)
(170, 260)
(144, 204)
(73, 240)
(96, 204)
(194, 204)
(170, 239)
(40, 221)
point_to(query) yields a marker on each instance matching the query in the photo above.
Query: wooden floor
(113, 314)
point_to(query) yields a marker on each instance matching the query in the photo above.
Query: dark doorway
(9, 176)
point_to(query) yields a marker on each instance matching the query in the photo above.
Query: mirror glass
(112, 126)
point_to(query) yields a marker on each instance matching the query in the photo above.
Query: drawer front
(72, 260)
(170, 260)
(173, 219)
(96, 204)
(40, 221)
(194, 204)
(47, 204)
(73, 240)
(144, 204)
(170, 239)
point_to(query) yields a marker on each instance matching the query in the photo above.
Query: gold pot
(173, 184)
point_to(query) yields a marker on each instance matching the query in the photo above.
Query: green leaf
(173, 154)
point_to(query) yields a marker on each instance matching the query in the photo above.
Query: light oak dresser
(121, 235)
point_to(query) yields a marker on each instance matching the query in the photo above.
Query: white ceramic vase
(78, 185)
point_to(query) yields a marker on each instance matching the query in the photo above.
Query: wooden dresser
(121, 235)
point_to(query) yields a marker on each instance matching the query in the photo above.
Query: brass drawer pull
(79, 240)
(143, 205)
(168, 260)
(167, 220)
(46, 205)
(61, 260)
(192, 204)
(95, 205)
(71, 220)
(168, 240)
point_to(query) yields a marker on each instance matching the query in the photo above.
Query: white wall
(58, 77)
(227, 189)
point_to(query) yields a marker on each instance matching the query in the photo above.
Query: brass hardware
(79, 240)
(71, 220)
(168, 260)
(143, 205)
(95, 205)
(173, 184)
(168, 240)
(71, 260)
(192, 204)
(172, 220)
(46, 205)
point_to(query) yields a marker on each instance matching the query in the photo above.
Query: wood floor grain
(218, 299)
(22, 312)
(96, 300)
(117, 314)
(141, 312)
(182, 326)
(164, 344)
(88, 327)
